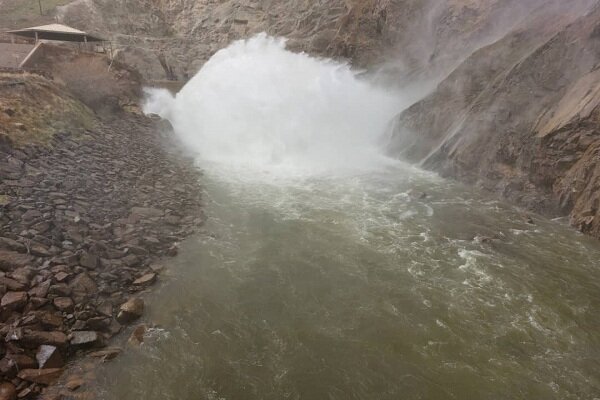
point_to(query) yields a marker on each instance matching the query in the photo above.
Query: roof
(57, 32)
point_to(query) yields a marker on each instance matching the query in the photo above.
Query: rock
(22, 361)
(7, 391)
(42, 376)
(10, 244)
(130, 310)
(137, 336)
(64, 304)
(33, 339)
(12, 284)
(49, 357)
(145, 212)
(10, 260)
(145, 280)
(41, 290)
(83, 284)
(31, 215)
(74, 383)
(60, 289)
(106, 354)
(84, 338)
(61, 276)
(89, 261)
(14, 300)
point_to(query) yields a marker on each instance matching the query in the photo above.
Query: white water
(257, 107)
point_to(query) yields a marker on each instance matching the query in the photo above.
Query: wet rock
(83, 284)
(41, 290)
(146, 212)
(22, 361)
(89, 261)
(145, 280)
(12, 284)
(130, 310)
(42, 376)
(107, 354)
(49, 357)
(64, 304)
(137, 336)
(14, 300)
(74, 383)
(60, 289)
(10, 244)
(10, 260)
(7, 391)
(33, 339)
(84, 338)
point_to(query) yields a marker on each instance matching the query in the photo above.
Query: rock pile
(82, 222)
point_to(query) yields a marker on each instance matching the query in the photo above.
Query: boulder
(106, 354)
(33, 339)
(10, 260)
(42, 376)
(64, 304)
(14, 300)
(49, 357)
(84, 338)
(7, 391)
(12, 284)
(131, 310)
(89, 261)
(145, 280)
(10, 244)
(146, 212)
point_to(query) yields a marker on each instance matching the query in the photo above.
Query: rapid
(329, 271)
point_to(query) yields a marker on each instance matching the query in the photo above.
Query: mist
(255, 105)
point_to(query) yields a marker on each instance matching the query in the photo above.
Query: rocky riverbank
(84, 222)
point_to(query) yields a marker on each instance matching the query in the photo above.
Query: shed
(57, 32)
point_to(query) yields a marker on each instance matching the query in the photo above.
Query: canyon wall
(512, 85)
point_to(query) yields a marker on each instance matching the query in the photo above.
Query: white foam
(262, 110)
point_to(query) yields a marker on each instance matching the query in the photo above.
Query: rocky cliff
(514, 83)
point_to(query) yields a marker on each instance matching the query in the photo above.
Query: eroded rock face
(520, 118)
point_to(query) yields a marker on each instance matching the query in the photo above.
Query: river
(362, 287)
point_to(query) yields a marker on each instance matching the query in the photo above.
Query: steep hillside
(520, 117)
(408, 38)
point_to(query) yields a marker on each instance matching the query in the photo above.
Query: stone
(61, 276)
(89, 261)
(137, 336)
(34, 339)
(49, 356)
(64, 304)
(41, 290)
(12, 284)
(106, 354)
(22, 361)
(74, 383)
(60, 289)
(131, 310)
(10, 244)
(7, 391)
(83, 284)
(145, 280)
(146, 212)
(42, 376)
(11, 260)
(84, 338)
(14, 300)
(31, 215)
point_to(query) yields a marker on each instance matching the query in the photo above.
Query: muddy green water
(355, 288)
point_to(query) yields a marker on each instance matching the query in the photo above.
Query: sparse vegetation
(14, 13)
(33, 109)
